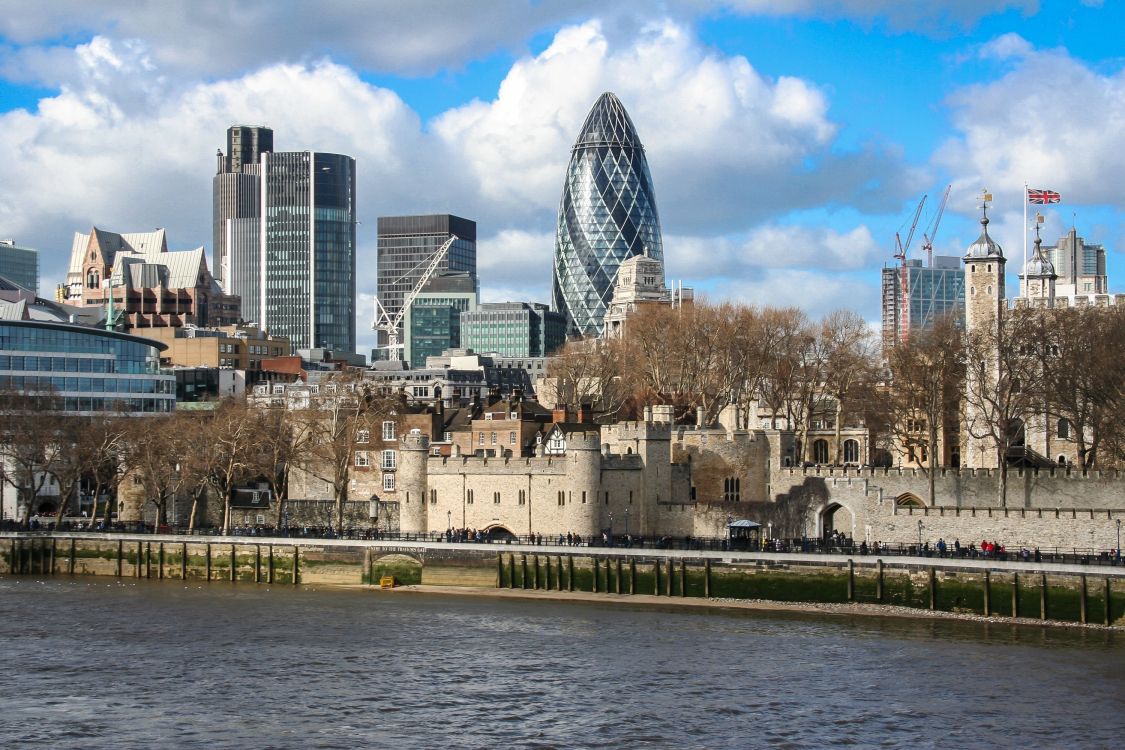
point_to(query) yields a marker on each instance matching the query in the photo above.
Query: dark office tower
(406, 245)
(308, 249)
(607, 214)
(238, 198)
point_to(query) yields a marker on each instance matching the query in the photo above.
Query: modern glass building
(237, 197)
(20, 264)
(432, 324)
(929, 294)
(308, 249)
(513, 329)
(80, 370)
(406, 245)
(1080, 266)
(607, 214)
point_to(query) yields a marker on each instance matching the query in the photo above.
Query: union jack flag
(1042, 196)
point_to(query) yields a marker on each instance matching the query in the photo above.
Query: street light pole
(919, 536)
(611, 528)
(626, 522)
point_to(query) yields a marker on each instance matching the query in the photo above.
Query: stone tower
(1038, 279)
(411, 480)
(985, 304)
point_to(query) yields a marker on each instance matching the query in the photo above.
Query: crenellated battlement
(1059, 303)
(1014, 474)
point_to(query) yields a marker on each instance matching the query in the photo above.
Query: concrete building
(915, 296)
(406, 245)
(607, 214)
(513, 329)
(20, 265)
(151, 287)
(639, 284)
(308, 248)
(432, 323)
(1080, 266)
(234, 347)
(236, 215)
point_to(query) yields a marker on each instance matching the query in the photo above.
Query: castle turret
(411, 481)
(1038, 278)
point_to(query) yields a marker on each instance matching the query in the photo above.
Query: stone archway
(909, 500)
(498, 533)
(835, 517)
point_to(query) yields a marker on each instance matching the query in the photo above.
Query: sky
(788, 140)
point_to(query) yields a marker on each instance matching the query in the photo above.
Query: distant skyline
(788, 140)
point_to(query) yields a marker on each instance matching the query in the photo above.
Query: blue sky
(788, 139)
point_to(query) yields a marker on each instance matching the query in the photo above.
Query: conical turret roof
(985, 247)
(1039, 264)
(608, 124)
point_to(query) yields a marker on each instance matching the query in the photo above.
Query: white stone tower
(985, 304)
(1038, 279)
(411, 479)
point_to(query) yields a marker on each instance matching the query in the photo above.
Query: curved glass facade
(84, 370)
(607, 214)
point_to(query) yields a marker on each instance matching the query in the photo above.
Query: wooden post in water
(366, 577)
(512, 570)
(1015, 594)
(668, 578)
(558, 573)
(656, 577)
(1042, 596)
(160, 560)
(851, 580)
(258, 563)
(120, 554)
(296, 563)
(137, 562)
(617, 576)
(51, 563)
(595, 575)
(148, 559)
(73, 554)
(1082, 599)
(683, 576)
(535, 572)
(269, 568)
(233, 565)
(1108, 611)
(183, 561)
(13, 567)
(523, 571)
(207, 572)
(499, 567)
(879, 580)
(632, 575)
(933, 588)
(987, 594)
(707, 578)
(570, 572)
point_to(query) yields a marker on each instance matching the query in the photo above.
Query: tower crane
(904, 275)
(931, 231)
(389, 324)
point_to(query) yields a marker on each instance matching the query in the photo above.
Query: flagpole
(1023, 269)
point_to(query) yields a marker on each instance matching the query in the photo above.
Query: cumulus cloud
(1050, 121)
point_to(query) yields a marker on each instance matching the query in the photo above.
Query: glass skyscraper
(20, 264)
(308, 249)
(513, 329)
(607, 214)
(236, 214)
(931, 293)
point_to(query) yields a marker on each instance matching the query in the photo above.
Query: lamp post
(626, 522)
(1118, 538)
(919, 536)
(611, 528)
(449, 522)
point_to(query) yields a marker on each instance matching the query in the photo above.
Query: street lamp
(611, 528)
(919, 536)
(449, 520)
(1118, 538)
(626, 522)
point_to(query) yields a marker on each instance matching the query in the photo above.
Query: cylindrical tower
(584, 459)
(411, 482)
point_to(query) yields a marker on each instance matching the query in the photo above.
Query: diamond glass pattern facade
(607, 214)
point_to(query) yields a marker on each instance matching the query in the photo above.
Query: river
(140, 664)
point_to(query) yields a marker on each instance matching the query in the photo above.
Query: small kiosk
(744, 534)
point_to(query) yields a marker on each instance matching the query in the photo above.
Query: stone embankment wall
(1093, 595)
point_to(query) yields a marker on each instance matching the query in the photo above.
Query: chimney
(648, 414)
(699, 417)
(558, 414)
(585, 413)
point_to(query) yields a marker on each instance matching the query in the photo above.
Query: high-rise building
(513, 329)
(406, 246)
(20, 264)
(308, 244)
(929, 293)
(432, 323)
(607, 214)
(237, 196)
(1080, 267)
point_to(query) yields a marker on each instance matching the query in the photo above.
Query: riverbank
(848, 609)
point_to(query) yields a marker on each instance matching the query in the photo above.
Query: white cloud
(932, 17)
(815, 292)
(1051, 121)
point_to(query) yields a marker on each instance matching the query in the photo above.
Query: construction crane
(931, 231)
(390, 325)
(901, 249)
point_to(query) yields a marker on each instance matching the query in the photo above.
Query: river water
(135, 664)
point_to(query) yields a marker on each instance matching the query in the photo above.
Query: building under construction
(915, 296)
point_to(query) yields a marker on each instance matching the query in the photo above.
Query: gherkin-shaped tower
(607, 214)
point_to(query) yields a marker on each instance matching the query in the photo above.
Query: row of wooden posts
(662, 585)
(39, 556)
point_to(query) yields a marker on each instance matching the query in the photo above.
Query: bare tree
(849, 363)
(279, 440)
(927, 377)
(592, 371)
(29, 444)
